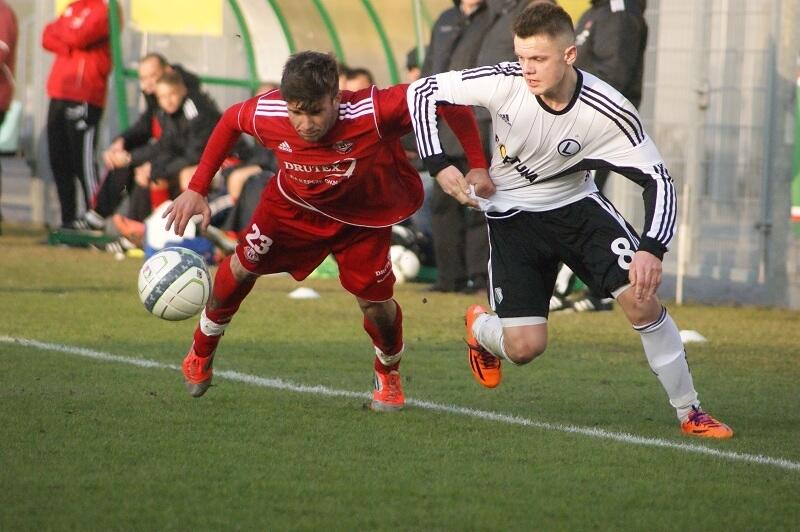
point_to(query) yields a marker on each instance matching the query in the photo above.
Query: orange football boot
(198, 372)
(701, 424)
(388, 393)
(484, 365)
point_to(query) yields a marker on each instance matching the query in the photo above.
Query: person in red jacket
(8, 57)
(79, 38)
(343, 180)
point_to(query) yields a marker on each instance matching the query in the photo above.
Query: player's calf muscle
(522, 347)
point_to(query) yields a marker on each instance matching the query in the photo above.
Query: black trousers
(460, 240)
(72, 140)
(112, 190)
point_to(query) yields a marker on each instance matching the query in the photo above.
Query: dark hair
(542, 18)
(308, 77)
(162, 61)
(171, 78)
(353, 73)
(412, 59)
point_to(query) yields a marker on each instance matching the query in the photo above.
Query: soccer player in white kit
(552, 124)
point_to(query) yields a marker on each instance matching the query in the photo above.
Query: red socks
(389, 344)
(227, 295)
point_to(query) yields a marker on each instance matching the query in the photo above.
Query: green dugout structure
(256, 36)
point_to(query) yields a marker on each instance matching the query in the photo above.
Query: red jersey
(79, 38)
(8, 54)
(357, 173)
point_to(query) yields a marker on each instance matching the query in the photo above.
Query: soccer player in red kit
(343, 180)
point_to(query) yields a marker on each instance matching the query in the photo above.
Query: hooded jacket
(611, 38)
(184, 135)
(8, 54)
(455, 43)
(79, 38)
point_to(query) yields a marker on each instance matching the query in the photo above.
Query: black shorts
(590, 236)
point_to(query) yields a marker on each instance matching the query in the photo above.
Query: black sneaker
(558, 303)
(81, 226)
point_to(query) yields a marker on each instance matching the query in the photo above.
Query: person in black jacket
(611, 38)
(186, 124)
(132, 147)
(460, 241)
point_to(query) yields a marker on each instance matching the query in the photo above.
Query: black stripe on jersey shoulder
(420, 113)
(611, 116)
(630, 118)
(503, 69)
(571, 104)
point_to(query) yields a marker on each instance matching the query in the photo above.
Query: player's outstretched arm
(185, 206)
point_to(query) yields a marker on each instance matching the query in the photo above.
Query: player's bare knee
(643, 312)
(523, 350)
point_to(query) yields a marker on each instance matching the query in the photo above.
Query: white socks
(667, 358)
(390, 360)
(211, 328)
(488, 332)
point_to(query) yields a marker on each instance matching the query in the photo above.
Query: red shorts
(284, 237)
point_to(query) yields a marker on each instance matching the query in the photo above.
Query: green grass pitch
(95, 444)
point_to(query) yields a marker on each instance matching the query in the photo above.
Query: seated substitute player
(186, 125)
(553, 124)
(133, 147)
(343, 180)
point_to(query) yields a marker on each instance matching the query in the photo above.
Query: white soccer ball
(174, 284)
(405, 263)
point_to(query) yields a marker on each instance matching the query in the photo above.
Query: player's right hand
(185, 206)
(479, 178)
(453, 183)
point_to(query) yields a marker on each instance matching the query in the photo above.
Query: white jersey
(541, 157)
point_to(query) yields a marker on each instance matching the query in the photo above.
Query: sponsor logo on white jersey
(569, 147)
(523, 170)
(505, 118)
(284, 146)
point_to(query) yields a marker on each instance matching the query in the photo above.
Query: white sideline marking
(280, 384)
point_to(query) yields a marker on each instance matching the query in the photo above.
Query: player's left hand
(645, 275)
(479, 178)
(453, 183)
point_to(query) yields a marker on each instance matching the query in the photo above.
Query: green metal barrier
(331, 29)
(287, 33)
(117, 71)
(120, 73)
(248, 45)
(387, 49)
